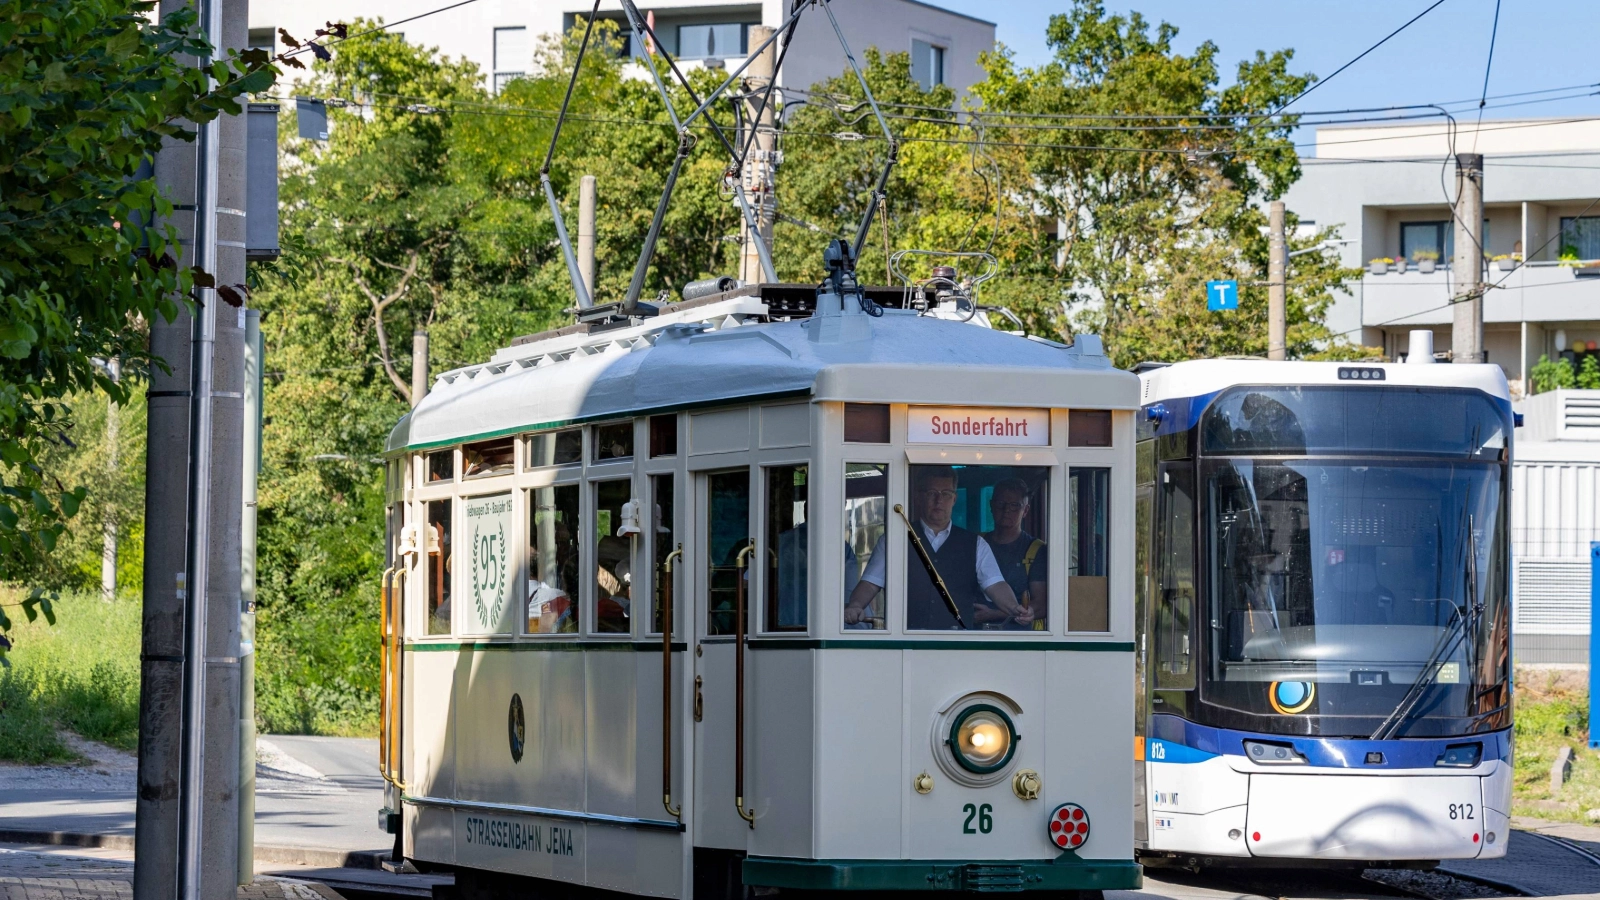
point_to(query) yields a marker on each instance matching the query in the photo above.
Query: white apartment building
(501, 35)
(1385, 188)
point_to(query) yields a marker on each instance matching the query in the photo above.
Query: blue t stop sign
(1221, 295)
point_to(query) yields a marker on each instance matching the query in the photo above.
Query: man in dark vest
(962, 558)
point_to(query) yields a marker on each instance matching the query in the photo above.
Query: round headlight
(983, 739)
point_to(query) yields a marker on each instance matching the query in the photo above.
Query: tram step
(993, 878)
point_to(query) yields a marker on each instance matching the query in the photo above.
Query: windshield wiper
(1461, 624)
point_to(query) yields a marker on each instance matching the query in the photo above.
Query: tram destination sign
(972, 425)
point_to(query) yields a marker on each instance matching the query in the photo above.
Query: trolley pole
(760, 168)
(419, 366)
(586, 231)
(1466, 333)
(1277, 284)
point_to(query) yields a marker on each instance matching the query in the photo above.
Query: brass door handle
(666, 685)
(738, 688)
(699, 708)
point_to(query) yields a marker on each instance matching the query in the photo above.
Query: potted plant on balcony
(1507, 262)
(1569, 255)
(1400, 265)
(1427, 260)
(1379, 266)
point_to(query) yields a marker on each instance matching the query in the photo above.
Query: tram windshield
(1338, 580)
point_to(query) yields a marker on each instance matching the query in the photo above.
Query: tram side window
(442, 466)
(666, 541)
(553, 560)
(1088, 537)
(787, 544)
(613, 566)
(866, 510)
(613, 441)
(728, 535)
(664, 435)
(487, 458)
(439, 568)
(1175, 582)
(556, 448)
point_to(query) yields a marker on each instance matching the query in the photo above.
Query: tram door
(725, 539)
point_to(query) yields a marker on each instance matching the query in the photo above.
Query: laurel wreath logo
(489, 573)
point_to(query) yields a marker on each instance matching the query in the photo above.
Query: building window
(1580, 237)
(927, 64)
(718, 41)
(1435, 238)
(510, 55)
(262, 39)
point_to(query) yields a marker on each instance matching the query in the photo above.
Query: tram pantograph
(1323, 613)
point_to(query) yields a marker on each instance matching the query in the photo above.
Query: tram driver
(964, 562)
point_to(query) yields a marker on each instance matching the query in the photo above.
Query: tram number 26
(979, 814)
(1461, 811)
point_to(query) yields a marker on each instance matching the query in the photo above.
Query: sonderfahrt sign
(968, 425)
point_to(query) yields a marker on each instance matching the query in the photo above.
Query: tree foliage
(89, 90)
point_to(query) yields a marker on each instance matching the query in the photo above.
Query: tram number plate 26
(980, 818)
(1462, 811)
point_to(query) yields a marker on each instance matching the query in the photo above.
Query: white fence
(1555, 514)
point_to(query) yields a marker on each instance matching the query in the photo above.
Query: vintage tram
(658, 620)
(1324, 612)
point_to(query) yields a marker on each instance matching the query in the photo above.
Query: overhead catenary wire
(1435, 5)
(383, 28)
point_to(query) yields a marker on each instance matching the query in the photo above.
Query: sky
(1441, 57)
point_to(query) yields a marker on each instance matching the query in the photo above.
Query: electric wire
(382, 28)
(1436, 4)
(1494, 32)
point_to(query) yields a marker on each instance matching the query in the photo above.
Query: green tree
(89, 89)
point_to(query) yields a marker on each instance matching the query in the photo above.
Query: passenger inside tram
(1023, 558)
(956, 556)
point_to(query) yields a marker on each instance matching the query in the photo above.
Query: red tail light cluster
(1069, 826)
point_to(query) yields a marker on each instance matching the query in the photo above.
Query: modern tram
(1323, 612)
(613, 657)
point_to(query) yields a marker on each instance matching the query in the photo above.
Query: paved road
(317, 792)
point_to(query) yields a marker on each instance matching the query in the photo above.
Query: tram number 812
(1461, 811)
(985, 820)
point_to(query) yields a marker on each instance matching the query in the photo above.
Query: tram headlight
(1273, 753)
(1460, 756)
(982, 738)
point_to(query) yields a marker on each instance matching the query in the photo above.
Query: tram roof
(726, 352)
(1205, 377)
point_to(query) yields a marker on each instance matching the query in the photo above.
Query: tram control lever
(933, 571)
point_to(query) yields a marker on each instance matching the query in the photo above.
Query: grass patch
(1553, 712)
(82, 673)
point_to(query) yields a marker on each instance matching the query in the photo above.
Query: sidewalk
(26, 875)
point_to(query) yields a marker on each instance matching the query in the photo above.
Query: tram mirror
(1089, 428)
(1088, 533)
(613, 441)
(984, 531)
(663, 435)
(487, 458)
(442, 465)
(556, 448)
(866, 423)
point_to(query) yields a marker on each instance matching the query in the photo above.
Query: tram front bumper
(1398, 817)
(1065, 873)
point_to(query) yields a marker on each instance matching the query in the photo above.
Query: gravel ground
(106, 769)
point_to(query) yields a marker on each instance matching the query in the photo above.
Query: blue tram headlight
(1273, 753)
(1460, 756)
(982, 739)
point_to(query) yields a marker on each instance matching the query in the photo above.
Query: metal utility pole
(108, 520)
(1277, 284)
(761, 164)
(586, 200)
(253, 360)
(187, 808)
(419, 366)
(1466, 333)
